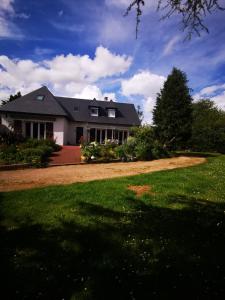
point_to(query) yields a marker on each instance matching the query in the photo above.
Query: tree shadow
(148, 252)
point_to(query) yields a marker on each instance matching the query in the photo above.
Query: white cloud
(213, 92)
(144, 84)
(8, 29)
(7, 6)
(65, 75)
(60, 13)
(42, 51)
(220, 100)
(92, 91)
(169, 48)
(114, 30)
(77, 28)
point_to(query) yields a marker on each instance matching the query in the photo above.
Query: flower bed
(141, 145)
(30, 152)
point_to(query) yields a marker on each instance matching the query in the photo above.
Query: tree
(192, 12)
(11, 98)
(208, 127)
(140, 113)
(172, 114)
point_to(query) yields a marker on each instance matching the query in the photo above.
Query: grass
(97, 240)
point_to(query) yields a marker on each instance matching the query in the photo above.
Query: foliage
(107, 151)
(8, 137)
(98, 240)
(90, 151)
(11, 98)
(172, 114)
(142, 145)
(208, 127)
(192, 12)
(33, 143)
(32, 151)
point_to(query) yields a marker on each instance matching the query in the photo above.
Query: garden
(14, 149)
(140, 145)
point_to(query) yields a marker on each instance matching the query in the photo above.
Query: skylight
(40, 97)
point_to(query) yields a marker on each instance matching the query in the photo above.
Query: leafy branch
(193, 12)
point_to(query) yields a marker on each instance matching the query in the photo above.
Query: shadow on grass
(146, 253)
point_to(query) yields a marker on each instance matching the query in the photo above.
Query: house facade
(69, 121)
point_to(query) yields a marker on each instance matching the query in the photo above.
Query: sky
(88, 49)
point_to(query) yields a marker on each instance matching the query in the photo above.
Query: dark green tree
(11, 98)
(172, 114)
(208, 127)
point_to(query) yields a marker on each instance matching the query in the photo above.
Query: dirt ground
(31, 178)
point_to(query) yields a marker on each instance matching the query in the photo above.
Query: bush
(91, 151)
(33, 143)
(9, 154)
(107, 151)
(141, 146)
(143, 151)
(8, 137)
(32, 151)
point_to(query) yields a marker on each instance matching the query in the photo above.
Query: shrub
(143, 151)
(8, 137)
(91, 151)
(9, 154)
(121, 153)
(158, 151)
(33, 143)
(34, 156)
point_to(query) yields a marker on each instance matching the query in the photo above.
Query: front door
(79, 135)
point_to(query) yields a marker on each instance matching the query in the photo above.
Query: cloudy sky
(88, 49)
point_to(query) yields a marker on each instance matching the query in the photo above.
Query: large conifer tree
(172, 115)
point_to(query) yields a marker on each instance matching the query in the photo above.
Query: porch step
(67, 155)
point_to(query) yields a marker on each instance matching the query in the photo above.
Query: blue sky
(88, 49)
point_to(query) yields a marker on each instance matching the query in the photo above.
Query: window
(49, 130)
(28, 129)
(111, 113)
(94, 111)
(18, 126)
(40, 97)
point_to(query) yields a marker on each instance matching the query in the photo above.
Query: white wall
(7, 121)
(60, 130)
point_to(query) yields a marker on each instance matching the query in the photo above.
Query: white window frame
(94, 114)
(111, 112)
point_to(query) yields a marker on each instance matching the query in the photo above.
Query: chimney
(106, 98)
(94, 99)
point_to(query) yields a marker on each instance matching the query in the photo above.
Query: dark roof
(74, 109)
(125, 112)
(29, 104)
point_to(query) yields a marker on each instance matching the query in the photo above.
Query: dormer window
(40, 97)
(94, 111)
(111, 112)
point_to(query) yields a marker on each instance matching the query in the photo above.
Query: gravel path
(31, 178)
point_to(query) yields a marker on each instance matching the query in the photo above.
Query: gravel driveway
(31, 178)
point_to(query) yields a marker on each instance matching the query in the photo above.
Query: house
(42, 115)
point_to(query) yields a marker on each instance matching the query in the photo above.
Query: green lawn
(97, 240)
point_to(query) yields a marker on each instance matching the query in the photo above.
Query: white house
(42, 115)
